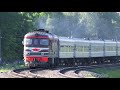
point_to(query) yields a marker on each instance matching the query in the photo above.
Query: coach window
(114, 48)
(96, 48)
(61, 48)
(66, 48)
(111, 48)
(77, 49)
(107, 48)
(118, 48)
(100, 48)
(85, 48)
(81, 48)
(70, 48)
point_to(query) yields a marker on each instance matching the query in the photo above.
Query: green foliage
(110, 72)
(14, 25)
(11, 66)
(94, 25)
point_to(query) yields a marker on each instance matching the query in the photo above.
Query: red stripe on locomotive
(40, 59)
(45, 37)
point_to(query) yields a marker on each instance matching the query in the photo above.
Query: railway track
(24, 73)
(57, 72)
(35, 73)
(74, 72)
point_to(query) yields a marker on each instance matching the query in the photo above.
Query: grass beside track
(10, 66)
(110, 72)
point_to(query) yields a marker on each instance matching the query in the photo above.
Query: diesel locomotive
(44, 48)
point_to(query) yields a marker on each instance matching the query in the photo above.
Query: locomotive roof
(38, 32)
(50, 35)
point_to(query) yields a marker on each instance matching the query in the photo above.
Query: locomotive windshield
(28, 41)
(34, 42)
(44, 42)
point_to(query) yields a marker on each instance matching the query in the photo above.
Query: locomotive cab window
(36, 42)
(28, 41)
(44, 42)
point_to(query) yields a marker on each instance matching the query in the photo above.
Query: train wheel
(83, 62)
(78, 62)
(66, 62)
(56, 63)
(73, 62)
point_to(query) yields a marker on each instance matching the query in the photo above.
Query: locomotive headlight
(26, 53)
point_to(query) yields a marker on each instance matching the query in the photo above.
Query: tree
(14, 26)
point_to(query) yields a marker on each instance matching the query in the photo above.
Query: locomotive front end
(36, 48)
